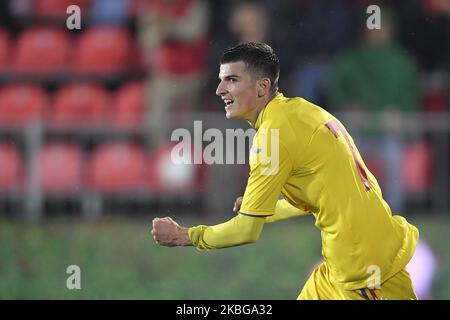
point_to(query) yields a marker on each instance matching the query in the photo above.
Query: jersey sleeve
(284, 210)
(238, 231)
(270, 168)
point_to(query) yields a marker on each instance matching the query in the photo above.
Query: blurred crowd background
(86, 114)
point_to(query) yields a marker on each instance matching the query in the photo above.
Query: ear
(263, 87)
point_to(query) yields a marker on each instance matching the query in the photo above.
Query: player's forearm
(237, 231)
(182, 238)
(284, 210)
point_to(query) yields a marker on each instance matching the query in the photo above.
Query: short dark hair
(259, 58)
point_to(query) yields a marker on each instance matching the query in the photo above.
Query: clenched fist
(167, 232)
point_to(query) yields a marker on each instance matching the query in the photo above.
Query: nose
(221, 90)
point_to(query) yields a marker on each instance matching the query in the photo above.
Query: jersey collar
(274, 100)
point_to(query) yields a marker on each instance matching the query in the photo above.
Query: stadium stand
(21, 104)
(117, 167)
(11, 168)
(60, 168)
(103, 50)
(80, 105)
(165, 176)
(129, 106)
(69, 81)
(41, 51)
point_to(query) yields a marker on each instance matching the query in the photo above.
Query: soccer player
(316, 167)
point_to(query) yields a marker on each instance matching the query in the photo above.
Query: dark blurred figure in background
(324, 30)
(248, 22)
(379, 76)
(245, 21)
(5, 15)
(426, 33)
(174, 38)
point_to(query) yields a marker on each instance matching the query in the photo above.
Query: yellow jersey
(304, 153)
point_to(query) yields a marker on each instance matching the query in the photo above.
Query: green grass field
(119, 260)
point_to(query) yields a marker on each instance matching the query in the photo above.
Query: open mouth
(228, 103)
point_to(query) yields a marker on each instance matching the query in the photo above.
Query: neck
(263, 103)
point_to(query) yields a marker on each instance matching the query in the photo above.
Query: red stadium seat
(117, 167)
(165, 175)
(41, 51)
(4, 49)
(56, 8)
(103, 50)
(21, 104)
(60, 168)
(129, 108)
(80, 105)
(11, 168)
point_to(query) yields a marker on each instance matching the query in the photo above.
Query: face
(238, 91)
(249, 22)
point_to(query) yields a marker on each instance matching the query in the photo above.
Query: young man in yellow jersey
(316, 167)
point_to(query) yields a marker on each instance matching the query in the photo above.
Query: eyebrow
(229, 77)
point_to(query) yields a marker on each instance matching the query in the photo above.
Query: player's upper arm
(284, 210)
(269, 172)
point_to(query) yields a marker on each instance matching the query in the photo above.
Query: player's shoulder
(281, 101)
(295, 113)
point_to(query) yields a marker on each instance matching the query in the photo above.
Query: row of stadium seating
(102, 8)
(51, 51)
(113, 167)
(73, 104)
(120, 166)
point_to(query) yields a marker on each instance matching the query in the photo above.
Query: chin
(230, 115)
